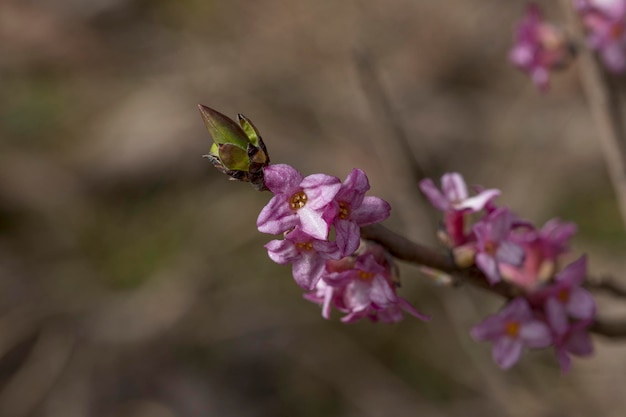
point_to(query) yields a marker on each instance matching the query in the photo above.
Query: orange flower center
(365, 276)
(491, 247)
(617, 31)
(563, 295)
(305, 246)
(512, 328)
(298, 200)
(344, 210)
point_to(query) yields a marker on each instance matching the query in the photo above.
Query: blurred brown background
(132, 279)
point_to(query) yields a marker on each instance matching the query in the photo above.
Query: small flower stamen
(344, 210)
(298, 200)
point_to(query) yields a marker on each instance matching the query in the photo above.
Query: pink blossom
(541, 249)
(355, 210)
(494, 244)
(510, 330)
(308, 256)
(456, 202)
(360, 288)
(297, 201)
(566, 299)
(576, 341)
(539, 47)
(605, 21)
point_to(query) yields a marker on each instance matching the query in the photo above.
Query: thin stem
(605, 106)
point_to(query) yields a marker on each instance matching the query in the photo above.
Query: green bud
(238, 150)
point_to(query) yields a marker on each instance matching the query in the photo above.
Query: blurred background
(133, 282)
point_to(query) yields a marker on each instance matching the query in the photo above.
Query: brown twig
(415, 253)
(605, 107)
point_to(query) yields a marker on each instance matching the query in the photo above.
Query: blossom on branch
(539, 47)
(354, 210)
(605, 21)
(512, 329)
(297, 201)
(455, 201)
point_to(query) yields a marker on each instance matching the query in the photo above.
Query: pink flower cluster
(605, 21)
(539, 47)
(305, 210)
(553, 308)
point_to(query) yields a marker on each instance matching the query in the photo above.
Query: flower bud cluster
(605, 21)
(305, 210)
(553, 309)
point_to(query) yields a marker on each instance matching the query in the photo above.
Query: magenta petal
(354, 188)
(381, 292)
(406, 306)
(328, 297)
(579, 343)
(453, 186)
(517, 309)
(347, 236)
(479, 201)
(557, 316)
(510, 253)
(276, 217)
(357, 295)
(535, 334)
(281, 178)
(489, 266)
(320, 189)
(312, 223)
(433, 194)
(307, 270)
(507, 351)
(372, 210)
(581, 304)
(564, 360)
(282, 251)
(574, 273)
(489, 329)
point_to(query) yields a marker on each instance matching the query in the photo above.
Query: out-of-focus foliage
(133, 281)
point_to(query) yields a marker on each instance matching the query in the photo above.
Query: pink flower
(360, 288)
(513, 328)
(539, 47)
(355, 210)
(576, 341)
(297, 201)
(566, 298)
(455, 202)
(541, 250)
(605, 21)
(308, 256)
(494, 244)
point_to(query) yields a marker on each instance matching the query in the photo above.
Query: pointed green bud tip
(222, 129)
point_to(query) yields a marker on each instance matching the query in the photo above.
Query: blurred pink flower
(455, 202)
(605, 21)
(539, 47)
(494, 246)
(510, 330)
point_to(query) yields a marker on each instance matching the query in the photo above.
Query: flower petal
(320, 189)
(453, 186)
(489, 266)
(478, 202)
(581, 304)
(312, 223)
(510, 253)
(535, 334)
(276, 217)
(282, 251)
(433, 194)
(372, 210)
(507, 351)
(354, 188)
(308, 269)
(574, 273)
(347, 236)
(282, 178)
(557, 316)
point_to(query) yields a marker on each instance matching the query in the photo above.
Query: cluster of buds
(358, 280)
(605, 21)
(539, 47)
(550, 308)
